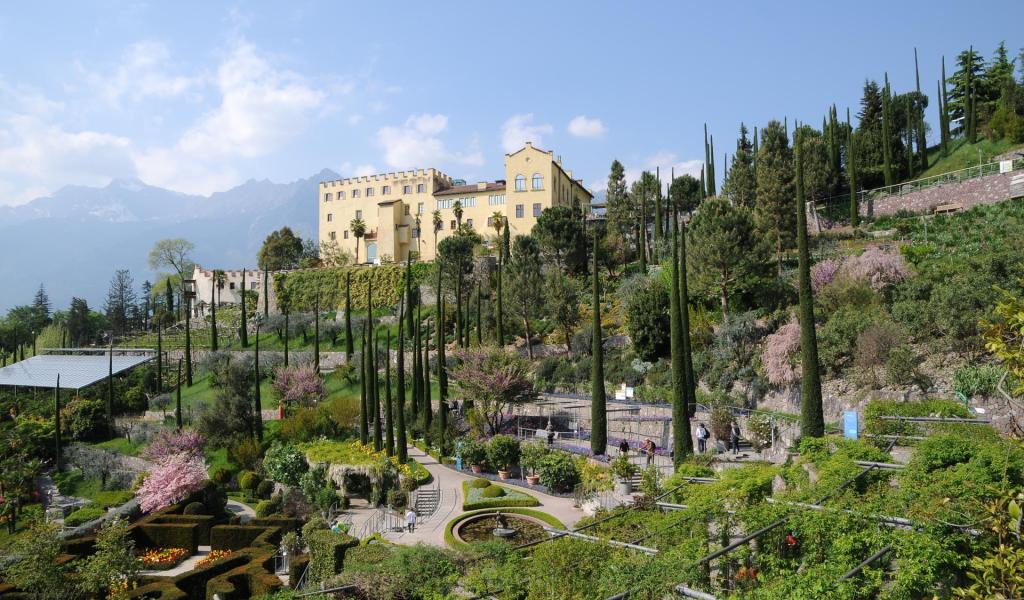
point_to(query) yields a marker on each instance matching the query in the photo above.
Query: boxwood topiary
(265, 489)
(194, 508)
(493, 491)
(479, 483)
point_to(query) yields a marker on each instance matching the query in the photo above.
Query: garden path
(244, 511)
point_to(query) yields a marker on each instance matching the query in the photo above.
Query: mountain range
(74, 240)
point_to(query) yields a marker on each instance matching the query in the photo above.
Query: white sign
(1005, 166)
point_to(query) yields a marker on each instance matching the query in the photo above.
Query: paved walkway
(430, 529)
(244, 511)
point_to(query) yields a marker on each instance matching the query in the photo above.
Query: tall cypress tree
(680, 412)
(266, 292)
(427, 411)
(945, 110)
(244, 330)
(684, 310)
(178, 417)
(256, 381)
(417, 373)
(598, 413)
(442, 383)
(499, 308)
(316, 332)
(389, 438)
(712, 172)
(349, 343)
(812, 422)
(57, 452)
(409, 300)
(705, 174)
(364, 366)
(159, 355)
(213, 318)
(943, 126)
(479, 315)
(851, 173)
(400, 441)
(910, 139)
(643, 229)
(378, 437)
(887, 133)
(922, 144)
(969, 99)
(658, 232)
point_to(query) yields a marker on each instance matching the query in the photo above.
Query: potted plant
(531, 455)
(474, 453)
(623, 470)
(502, 453)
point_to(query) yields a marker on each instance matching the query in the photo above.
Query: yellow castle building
(397, 209)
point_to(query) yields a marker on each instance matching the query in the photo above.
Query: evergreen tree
(213, 318)
(442, 383)
(657, 212)
(258, 413)
(690, 380)
(620, 213)
(712, 172)
(349, 342)
(417, 372)
(970, 66)
(680, 409)
(739, 185)
(400, 439)
(851, 174)
(944, 110)
(120, 299)
(316, 332)
(427, 410)
(775, 189)
(887, 128)
(169, 297)
(812, 422)
(58, 453)
(244, 330)
(364, 414)
(598, 414)
(724, 246)
(389, 415)
(753, 156)
(685, 193)
(922, 144)
(943, 124)
(41, 306)
(499, 326)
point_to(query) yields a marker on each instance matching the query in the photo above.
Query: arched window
(538, 181)
(520, 183)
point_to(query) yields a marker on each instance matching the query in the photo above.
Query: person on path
(734, 437)
(551, 433)
(623, 448)
(649, 447)
(410, 521)
(702, 439)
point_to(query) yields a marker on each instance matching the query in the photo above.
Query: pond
(481, 529)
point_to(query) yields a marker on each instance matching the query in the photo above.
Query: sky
(201, 96)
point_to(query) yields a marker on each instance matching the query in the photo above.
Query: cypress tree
(658, 235)
(680, 412)
(188, 341)
(922, 144)
(910, 140)
(945, 111)
(363, 368)
(266, 292)
(400, 441)
(479, 315)
(426, 409)
(287, 312)
(389, 415)
(316, 333)
(244, 331)
(378, 438)
(703, 185)
(213, 318)
(110, 389)
(409, 301)
(256, 378)
(58, 454)
(684, 310)
(712, 172)
(159, 357)
(643, 231)
(598, 414)
(169, 297)
(499, 316)
(851, 174)
(812, 422)
(969, 99)
(706, 171)
(942, 118)
(417, 373)
(349, 343)
(886, 133)
(177, 399)
(442, 382)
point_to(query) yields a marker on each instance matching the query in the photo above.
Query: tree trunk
(529, 345)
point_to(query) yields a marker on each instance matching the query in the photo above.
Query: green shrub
(222, 476)
(265, 489)
(234, 537)
(248, 481)
(558, 472)
(397, 498)
(492, 491)
(474, 453)
(167, 535)
(621, 468)
(922, 408)
(502, 452)
(384, 573)
(194, 508)
(315, 523)
(531, 455)
(326, 553)
(84, 515)
(977, 380)
(265, 508)
(479, 483)
(285, 463)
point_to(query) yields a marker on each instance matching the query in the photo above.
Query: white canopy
(78, 367)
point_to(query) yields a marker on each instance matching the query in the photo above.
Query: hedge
(300, 287)
(205, 522)
(234, 537)
(327, 554)
(449, 537)
(167, 535)
(84, 515)
(285, 523)
(296, 566)
(475, 499)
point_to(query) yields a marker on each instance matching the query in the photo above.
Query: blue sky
(199, 97)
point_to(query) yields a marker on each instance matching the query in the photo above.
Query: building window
(355, 193)
(538, 181)
(253, 285)
(420, 188)
(384, 191)
(341, 195)
(445, 203)
(520, 183)
(439, 225)
(327, 197)
(406, 207)
(519, 211)
(453, 226)
(345, 234)
(359, 215)
(419, 208)
(406, 189)
(333, 235)
(469, 223)
(536, 209)
(496, 199)
(468, 202)
(330, 217)
(415, 232)
(231, 285)
(369, 192)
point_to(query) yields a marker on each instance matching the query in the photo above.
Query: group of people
(649, 447)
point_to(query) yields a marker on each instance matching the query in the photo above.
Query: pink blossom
(880, 268)
(169, 443)
(823, 273)
(780, 351)
(171, 481)
(300, 385)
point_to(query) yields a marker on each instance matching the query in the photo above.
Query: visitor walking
(623, 448)
(650, 447)
(551, 433)
(734, 437)
(410, 520)
(702, 439)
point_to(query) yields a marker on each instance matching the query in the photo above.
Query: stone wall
(983, 190)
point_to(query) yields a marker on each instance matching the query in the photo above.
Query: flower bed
(161, 559)
(493, 496)
(212, 556)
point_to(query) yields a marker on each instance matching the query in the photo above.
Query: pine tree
(775, 188)
(349, 343)
(389, 415)
(754, 155)
(851, 174)
(598, 414)
(400, 440)
(739, 185)
(680, 409)
(812, 423)
(887, 132)
(244, 329)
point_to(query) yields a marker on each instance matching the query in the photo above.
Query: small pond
(481, 529)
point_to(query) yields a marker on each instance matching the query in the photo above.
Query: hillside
(963, 155)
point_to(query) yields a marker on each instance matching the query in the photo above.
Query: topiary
(493, 491)
(479, 483)
(248, 481)
(315, 523)
(265, 508)
(222, 476)
(194, 508)
(265, 489)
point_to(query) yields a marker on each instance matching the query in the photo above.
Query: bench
(948, 208)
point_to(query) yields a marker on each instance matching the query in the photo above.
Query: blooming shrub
(168, 443)
(171, 481)
(880, 268)
(211, 557)
(780, 351)
(823, 273)
(163, 558)
(299, 386)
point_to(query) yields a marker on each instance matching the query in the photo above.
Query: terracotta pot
(476, 468)
(532, 479)
(503, 474)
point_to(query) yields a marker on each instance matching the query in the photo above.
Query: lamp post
(257, 319)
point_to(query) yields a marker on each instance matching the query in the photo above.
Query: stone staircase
(427, 501)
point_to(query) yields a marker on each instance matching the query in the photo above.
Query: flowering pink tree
(493, 380)
(169, 443)
(780, 352)
(299, 386)
(880, 268)
(823, 273)
(171, 481)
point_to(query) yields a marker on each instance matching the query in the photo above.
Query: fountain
(501, 528)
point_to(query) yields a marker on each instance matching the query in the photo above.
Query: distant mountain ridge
(74, 240)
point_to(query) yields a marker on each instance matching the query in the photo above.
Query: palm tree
(438, 222)
(358, 228)
(219, 279)
(457, 207)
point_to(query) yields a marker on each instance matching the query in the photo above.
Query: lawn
(74, 483)
(122, 446)
(963, 155)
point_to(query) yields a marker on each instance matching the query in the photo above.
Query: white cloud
(350, 170)
(415, 144)
(585, 127)
(143, 71)
(519, 129)
(665, 161)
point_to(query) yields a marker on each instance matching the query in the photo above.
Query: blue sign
(458, 455)
(851, 431)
